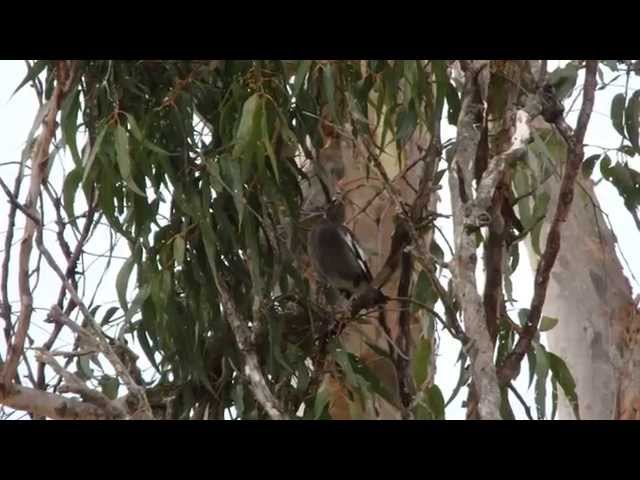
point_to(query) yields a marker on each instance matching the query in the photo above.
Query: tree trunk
(598, 330)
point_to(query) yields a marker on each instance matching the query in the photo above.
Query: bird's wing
(359, 254)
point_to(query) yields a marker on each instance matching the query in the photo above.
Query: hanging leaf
(122, 281)
(69, 123)
(554, 397)
(69, 189)
(547, 323)
(542, 372)
(589, 164)
(178, 250)
(34, 70)
(617, 113)
(108, 315)
(564, 378)
(85, 372)
(464, 376)
(109, 386)
(245, 138)
(632, 120)
(523, 316)
(539, 212)
(124, 159)
(321, 402)
(406, 122)
(330, 90)
(421, 361)
(436, 402)
(102, 130)
(564, 79)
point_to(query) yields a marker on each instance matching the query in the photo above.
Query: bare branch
(64, 78)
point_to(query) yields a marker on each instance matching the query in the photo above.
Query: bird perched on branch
(338, 259)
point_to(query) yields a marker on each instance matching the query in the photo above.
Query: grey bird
(338, 259)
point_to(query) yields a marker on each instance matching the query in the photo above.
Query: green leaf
(547, 323)
(330, 90)
(463, 377)
(406, 122)
(143, 340)
(85, 372)
(564, 378)
(506, 412)
(321, 402)
(108, 315)
(423, 292)
(178, 250)
(124, 159)
(436, 402)
(249, 123)
(238, 399)
(109, 386)
(102, 130)
(589, 164)
(269, 148)
(421, 361)
(34, 70)
(542, 372)
(554, 397)
(564, 79)
(69, 123)
(617, 113)
(122, 280)
(531, 361)
(523, 316)
(632, 120)
(539, 212)
(69, 189)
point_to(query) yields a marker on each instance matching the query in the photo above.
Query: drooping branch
(552, 113)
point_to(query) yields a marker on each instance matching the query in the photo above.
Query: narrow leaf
(564, 378)
(632, 120)
(617, 113)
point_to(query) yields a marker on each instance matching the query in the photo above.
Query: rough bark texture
(598, 330)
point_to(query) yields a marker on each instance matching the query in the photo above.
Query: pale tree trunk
(598, 330)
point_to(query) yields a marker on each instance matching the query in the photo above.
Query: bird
(339, 260)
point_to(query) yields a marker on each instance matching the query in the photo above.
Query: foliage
(199, 166)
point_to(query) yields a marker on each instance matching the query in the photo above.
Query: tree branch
(575, 155)
(479, 348)
(49, 405)
(38, 175)
(252, 368)
(113, 409)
